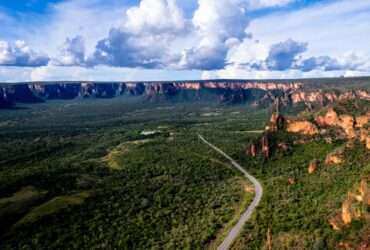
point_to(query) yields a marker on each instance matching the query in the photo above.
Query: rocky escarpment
(222, 91)
(325, 97)
(348, 126)
(327, 124)
(331, 124)
(225, 91)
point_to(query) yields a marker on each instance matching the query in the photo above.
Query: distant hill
(256, 92)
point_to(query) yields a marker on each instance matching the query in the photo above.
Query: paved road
(226, 244)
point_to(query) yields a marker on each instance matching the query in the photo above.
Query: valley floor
(127, 174)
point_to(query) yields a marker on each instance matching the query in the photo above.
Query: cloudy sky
(182, 39)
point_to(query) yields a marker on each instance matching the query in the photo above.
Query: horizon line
(190, 81)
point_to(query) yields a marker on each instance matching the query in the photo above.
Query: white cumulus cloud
(258, 4)
(20, 54)
(154, 16)
(71, 53)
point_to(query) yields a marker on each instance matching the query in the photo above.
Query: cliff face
(323, 97)
(5, 101)
(225, 91)
(253, 85)
(21, 93)
(35, 92)
(345, 126)
(232, 91)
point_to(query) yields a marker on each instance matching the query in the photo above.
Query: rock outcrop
(329, 119)
(332, 119)
(364, 192)
(277, 122)
(347, 210)
(252, 150)
(302, 127)
(352, 127)
(347, 123)
(353, 207)
(335, 158)
(335, 223)
(291, 181)
(260, 147)
(343, 126)
(362, 120)
(265, 146)
(312, 166)
(364, 133)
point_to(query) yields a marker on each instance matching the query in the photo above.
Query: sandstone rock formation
(350, 207)
(252, 150)
(347, 210)
(335, 157)
(361, 121)
(329, 119)
(347, 123)
(277, 122)
(322, 97)
(335, 223)
(312, 166)
(328, 140)
(265, 146)
(364, 134)
(269, 238)
(353, 127)
(262, 146)
(364, 245)
(252, 85)
(302, 127)
(364, 191)
(291, 181)
(365, 137)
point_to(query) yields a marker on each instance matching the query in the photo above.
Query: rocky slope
(326, 123)
(346, 126)
(225, 91)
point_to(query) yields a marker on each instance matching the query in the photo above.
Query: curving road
(226, 244)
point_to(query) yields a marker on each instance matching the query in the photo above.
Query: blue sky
(38, 6)
(177, 39)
